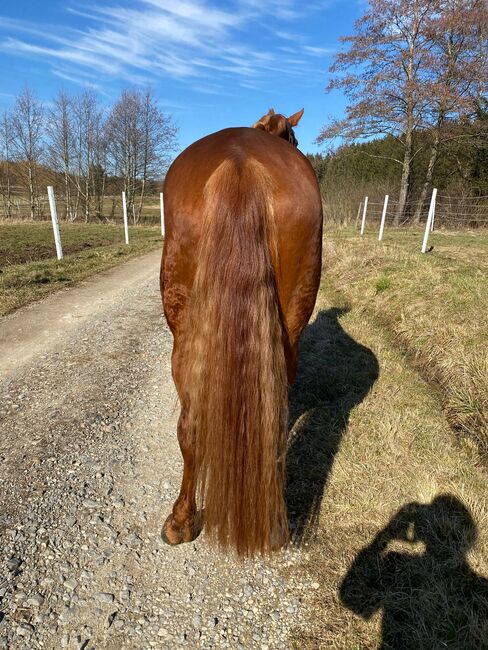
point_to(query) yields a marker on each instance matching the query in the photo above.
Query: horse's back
(296, 212)
(293, 178)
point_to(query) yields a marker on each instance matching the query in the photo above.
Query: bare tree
(158, 136)
(123, 142)
(140, 140)
(5, 154)
(383, 73)
(88, 118)
(61, 145)
(27, 125)
(459, 62)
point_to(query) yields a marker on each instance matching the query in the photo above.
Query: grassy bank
(388, 503)
(29, 269)
(434, 306)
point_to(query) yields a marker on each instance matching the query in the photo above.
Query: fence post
(54, 219)
(161, 206)
(430, 219)
(126, 225)
(383, 218)
(363, 223)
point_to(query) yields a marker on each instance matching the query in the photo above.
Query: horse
(240, 272)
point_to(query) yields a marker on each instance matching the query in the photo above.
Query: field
(387, 462)
(29, 269)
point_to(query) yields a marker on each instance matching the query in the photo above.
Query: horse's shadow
(335, 373)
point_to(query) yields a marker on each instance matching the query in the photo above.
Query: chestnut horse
(239, 277)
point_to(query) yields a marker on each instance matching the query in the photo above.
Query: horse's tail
(236, 371)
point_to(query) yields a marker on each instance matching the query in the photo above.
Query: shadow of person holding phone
(432, 599)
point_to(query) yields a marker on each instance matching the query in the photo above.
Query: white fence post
(363, 223)
(126, 225)
(54, 219)
(161, 206)
(383, 218)
(430, 219)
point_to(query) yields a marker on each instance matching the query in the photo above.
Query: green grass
(435, 307)
(29, 269)
(33, 241)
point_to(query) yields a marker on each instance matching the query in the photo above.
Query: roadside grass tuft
(382, 284)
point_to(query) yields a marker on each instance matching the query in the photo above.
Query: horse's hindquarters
(240, 274)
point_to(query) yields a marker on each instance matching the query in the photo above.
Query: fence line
(437, 216)
(55, 222)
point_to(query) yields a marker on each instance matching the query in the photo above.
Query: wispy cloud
(190, 40)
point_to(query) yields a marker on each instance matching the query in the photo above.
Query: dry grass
(434, 305)
(391, 505)
(30, 271)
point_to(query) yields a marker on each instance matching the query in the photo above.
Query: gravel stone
(104, 597)
(13, 564)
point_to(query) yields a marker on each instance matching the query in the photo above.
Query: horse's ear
(271, 111)
(295, 118)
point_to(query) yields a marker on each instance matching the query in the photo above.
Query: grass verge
(98, 247)
(434, 305)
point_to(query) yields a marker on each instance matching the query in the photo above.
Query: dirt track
(89, 468)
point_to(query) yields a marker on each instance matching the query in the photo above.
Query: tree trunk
(405, 180)
(67, 196)
(31, 192)
(141, 199)
(428, 176)
(7, 196)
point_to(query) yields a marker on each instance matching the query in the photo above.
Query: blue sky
(211, 63)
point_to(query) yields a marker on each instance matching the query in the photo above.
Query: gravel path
(89, 468)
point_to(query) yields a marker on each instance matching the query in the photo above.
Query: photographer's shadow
(335, 373)
(432, 598)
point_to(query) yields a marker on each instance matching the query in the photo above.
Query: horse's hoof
(173, 534)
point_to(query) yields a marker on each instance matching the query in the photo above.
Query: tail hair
(235, 366)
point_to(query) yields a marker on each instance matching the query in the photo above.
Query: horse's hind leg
(182, 525)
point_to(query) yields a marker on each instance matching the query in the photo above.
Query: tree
(61, 144)
(27, 124)
(383, 74)
(458, 63)
(88, 129)
(412, 67)
(158, 135)
(5, 153)
(140, 139)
